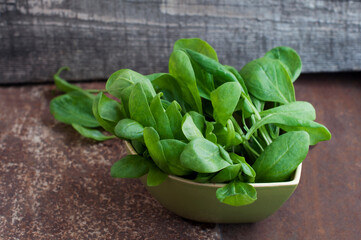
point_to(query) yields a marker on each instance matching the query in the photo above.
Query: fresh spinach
(204, 121)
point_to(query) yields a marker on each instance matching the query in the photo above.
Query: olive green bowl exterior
(198, 202)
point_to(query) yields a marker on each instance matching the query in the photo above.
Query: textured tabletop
(54, 184)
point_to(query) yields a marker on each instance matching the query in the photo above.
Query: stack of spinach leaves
(203, 120)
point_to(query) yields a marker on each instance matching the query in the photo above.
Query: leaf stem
(96, 90)
(246, 144)
(265, 135)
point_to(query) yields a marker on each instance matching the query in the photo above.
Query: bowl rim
(294, 181)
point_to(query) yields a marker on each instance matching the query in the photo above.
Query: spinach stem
(236, 126)
(66, 68)
(265, 135)
(246, 144)
(96, 90)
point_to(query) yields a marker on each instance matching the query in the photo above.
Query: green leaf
(197, 45)
(172, 150)
(130, 166)
(165, 153)
(258, 104)
(120, 84)
(268, 80)
(202, 156)
(169, 86)
(139, 109)
(110, 109)
(94, 134)
(281, 158)
(189, 129)
(180, 67)
(317, 132)
(162, 122)
(175, 120)
(209, 132)
(226, 136)
(199, 120)
(129, 129)
(289, 59)
(153, 76)
(74, 107)
(237, 193)
(152, 142)
(224, 101)
(155, 176)
(227, 174)
(300, 110)
(99, 102)
(211, 66)
(238, 76)
(205, 82)
(247, 170)
(138, 146)
(62, 84)
(204, 177)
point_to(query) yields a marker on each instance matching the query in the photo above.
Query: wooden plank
(96, 38)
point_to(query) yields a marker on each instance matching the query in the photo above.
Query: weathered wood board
(96, 38)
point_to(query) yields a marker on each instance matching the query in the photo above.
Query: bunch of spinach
(203, 120)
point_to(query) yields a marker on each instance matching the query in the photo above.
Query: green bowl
(198, 202)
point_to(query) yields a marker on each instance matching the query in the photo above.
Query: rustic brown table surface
(55, 184)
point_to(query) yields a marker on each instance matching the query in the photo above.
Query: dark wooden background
(96, 38)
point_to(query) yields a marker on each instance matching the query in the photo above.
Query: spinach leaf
(110, 109)
(153, 76)
(197, 45)
(169, 86)
(316, 131)
(205, 82)
(130, 166)
(224, 101)
(289, 59)
(238, 76)
(199, 120)
(173, 149)
(94, 134)
(161, 119)
(175, 120)
(258, 104)
(212, 66)
(129, 129)
(202, 156)
(247, 170)
(74, 107)
(152, 142)
(62, 84)
(237, 193)
(180, 67)
(282, 157)
(204, 177)
(227, 174)
(138, 146)
(300, 110)
(99, 102)
(155, 176)
(121, 83)
(209, 132)
(165, 153)
(268, 80)
(139, 108)
(227, 136)
(189, 129)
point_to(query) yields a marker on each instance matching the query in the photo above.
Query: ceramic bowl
(198, 202)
